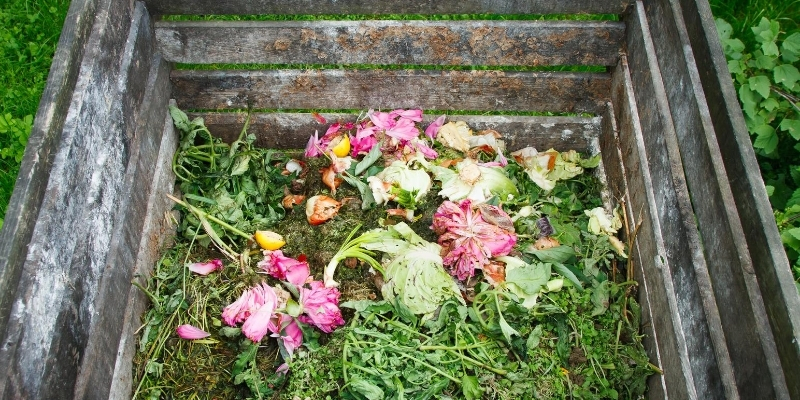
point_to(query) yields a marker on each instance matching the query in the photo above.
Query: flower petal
(206, 267)
(190, 332)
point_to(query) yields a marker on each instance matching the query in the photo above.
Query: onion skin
(321, 208)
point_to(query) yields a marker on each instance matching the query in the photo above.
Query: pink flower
(321, 307)
(206, 267)
(284, 268)
(468, 240)
(289, 334)
(414, 115)
(361, 145)
(255, 307)
(433, 128)
(191, 333)
(314, 146)
(403, 129)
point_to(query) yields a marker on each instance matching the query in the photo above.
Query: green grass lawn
(29, 31)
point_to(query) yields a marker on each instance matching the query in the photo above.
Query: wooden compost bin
(89, 212)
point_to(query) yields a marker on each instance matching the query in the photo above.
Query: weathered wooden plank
(696, 304)
(763, 241)
(380, 42)
(42, 144)
(730, 268)
(156, 231)
(100, 357)
(666, 342)
(362, 89)
(292, 130)
(362, 7)
(54, 312)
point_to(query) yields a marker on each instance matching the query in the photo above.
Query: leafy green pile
(561, 319)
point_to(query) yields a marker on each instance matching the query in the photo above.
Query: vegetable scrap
(430, 262)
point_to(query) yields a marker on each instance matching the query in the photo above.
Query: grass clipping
(576, 334)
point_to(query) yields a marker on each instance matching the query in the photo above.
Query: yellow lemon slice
(269, 240)
(342, 148)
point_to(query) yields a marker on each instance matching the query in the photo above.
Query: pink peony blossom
(433, 128)
(255, 307)
(468, 240)
(206, 267)
(414, 114)
(285, 268)
(190, 332)
(314, 146)
(403, 130)
(321, 306)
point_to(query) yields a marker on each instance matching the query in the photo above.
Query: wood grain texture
(389, 89)
(157, 230)
(508, 43)
(54, 313)
(749, 196)
(696, 305)
(666, 342)
(42, 145)
(96, 373)
(729, 265)
(363, 7)
(292, 130)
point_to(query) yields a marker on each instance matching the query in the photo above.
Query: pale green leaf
(241, 165)
(794, 232)
(368, 160)
(563, 270)
(367, 198)
(535, 337)
(724, 29)
(366, 388)
(599, 298)
(770, 49)
(558, 254)
(770, 190)
(792, 126)
(735, 67)
(792, 43)
(770, 104)
(786, 75)
(766, 140)
(471, 387)
(760, 84)
(748, 99)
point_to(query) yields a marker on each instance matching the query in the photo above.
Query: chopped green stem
(151, 296)
(203, 214)
(478, 363)
(437, 370)
(471, 346)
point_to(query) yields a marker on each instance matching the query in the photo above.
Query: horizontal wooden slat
(426, 7)
(513, 43)
(292, 130)
(362, 89)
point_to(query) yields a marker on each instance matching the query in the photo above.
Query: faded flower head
(468, 240)
(321, 306)
(255, 308)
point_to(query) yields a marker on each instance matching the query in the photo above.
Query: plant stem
(201, 213)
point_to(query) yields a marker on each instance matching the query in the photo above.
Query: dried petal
(206, 267)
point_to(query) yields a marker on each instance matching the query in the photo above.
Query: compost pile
(390, 260)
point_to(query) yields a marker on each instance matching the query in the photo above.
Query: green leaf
(767, 140)
(558, 254)
(791, 46)
(794, 199)
(724, 29)
(241, 165)
(367, 199)
(765, 62)
(770, 49)
(792, 126)
(368, 160)
(471, 388)
(735, 67)
(748, 99)
(786, 75)
(770, 190)
(760, 84)
(366, 388)
(179, 118)
(535, 337)
(599, 298)
(567, 273)
(200, 198)
(766, 31)
(770, 104)
(794, 232)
